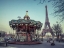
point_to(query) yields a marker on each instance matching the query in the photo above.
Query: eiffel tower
(47, 27)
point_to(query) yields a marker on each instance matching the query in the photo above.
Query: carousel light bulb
(16, 24)
(34, 25)
(10, 25)
(26, 24)
(30, 24)
(13, 24)
(22, 24)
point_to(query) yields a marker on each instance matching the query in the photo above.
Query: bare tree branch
(58, 7)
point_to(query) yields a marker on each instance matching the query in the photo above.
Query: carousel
(26, 30)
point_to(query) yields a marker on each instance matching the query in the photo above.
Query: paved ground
(43, 45)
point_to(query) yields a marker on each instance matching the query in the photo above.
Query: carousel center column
(27, 34)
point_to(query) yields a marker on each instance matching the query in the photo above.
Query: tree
(57, 29)
(58, 7)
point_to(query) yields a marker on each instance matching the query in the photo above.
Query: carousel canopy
(22, 21)
(26, 20)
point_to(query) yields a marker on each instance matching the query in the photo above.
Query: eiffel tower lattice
(47, 27)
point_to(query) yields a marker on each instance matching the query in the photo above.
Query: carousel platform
(26, 43)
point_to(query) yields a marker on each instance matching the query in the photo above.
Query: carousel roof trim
(21, 21)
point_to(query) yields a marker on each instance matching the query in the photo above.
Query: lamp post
(42, 36)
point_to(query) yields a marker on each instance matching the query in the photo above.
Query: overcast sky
(11, 9)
